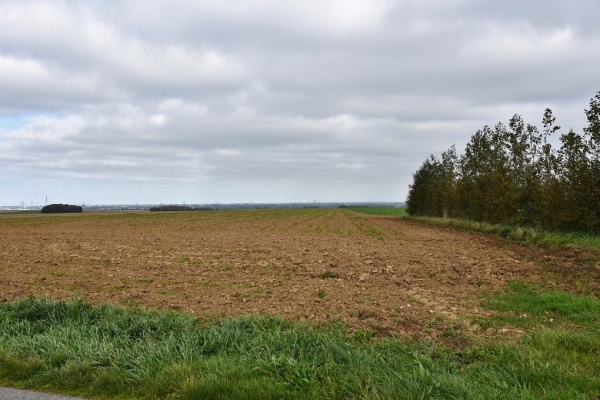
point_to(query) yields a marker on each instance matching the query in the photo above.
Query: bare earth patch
(386, 274)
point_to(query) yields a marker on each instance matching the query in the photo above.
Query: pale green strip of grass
(17, 212)
(521, 234)
(525, 235)
(107, 352)
(391, 211)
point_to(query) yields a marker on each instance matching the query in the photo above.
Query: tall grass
(107, 352)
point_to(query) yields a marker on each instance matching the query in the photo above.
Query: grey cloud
(549, 15)
(278, 101)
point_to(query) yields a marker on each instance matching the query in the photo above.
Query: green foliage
(104, 351)
(512, 175)
(424, 196)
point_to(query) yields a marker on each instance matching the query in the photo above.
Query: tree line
(512, 174)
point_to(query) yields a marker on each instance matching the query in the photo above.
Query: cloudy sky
(149, 101)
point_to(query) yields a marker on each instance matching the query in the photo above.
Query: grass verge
(520, 234)
(392, 211)
(108, 352)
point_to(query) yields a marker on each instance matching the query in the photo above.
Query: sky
(191, 101)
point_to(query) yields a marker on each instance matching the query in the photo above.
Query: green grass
(525, 235)
(392, 211)
(520, 234)
(363, 225)
(107, 352)
(526, 305)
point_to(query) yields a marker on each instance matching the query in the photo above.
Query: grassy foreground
(107, 352)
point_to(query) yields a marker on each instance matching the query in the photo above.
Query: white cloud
(228, 152)
(341, 16)
(158, 120)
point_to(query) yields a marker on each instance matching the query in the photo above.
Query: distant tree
(61, 208)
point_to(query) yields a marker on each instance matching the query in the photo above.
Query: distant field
(393, 211)
(306, 303)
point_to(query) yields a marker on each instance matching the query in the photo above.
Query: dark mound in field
(61, 208)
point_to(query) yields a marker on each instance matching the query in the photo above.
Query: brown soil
(386, 274)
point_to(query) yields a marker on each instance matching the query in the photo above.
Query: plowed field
(390, 275)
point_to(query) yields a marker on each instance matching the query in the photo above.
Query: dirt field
(390, 275)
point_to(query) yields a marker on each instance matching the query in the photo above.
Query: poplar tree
(593, 136)
(549, 198)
